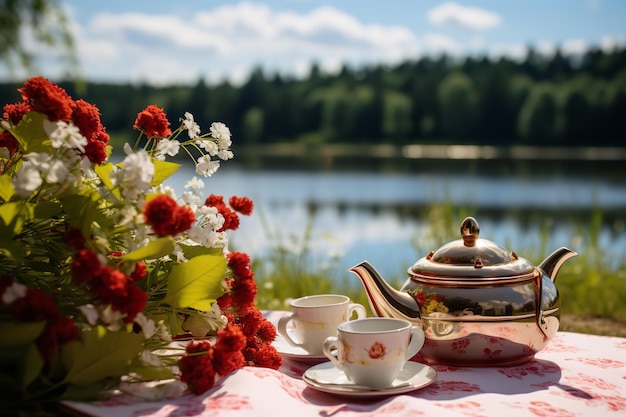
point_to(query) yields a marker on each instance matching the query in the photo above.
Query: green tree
(537, 122)
(458, 106)
(46, 22)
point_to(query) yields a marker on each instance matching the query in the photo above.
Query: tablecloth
(575, 375)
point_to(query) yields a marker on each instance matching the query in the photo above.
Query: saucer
(295, 353)
(413, 376)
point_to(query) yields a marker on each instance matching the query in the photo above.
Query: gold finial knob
(469, 231)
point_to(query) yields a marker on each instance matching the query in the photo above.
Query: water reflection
(386, 216)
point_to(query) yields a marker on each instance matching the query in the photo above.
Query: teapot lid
(471, 257)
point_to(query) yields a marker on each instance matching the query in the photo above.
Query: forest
(554, 100)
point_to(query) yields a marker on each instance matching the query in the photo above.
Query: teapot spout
(385, 300)
(551, 265)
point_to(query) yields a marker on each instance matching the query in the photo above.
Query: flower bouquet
(108, 279)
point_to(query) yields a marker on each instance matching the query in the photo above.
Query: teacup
(372, 351)
(314, 318)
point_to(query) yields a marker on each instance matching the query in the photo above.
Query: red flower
(96, 149)
(153, 122)
(225, 301)
(38, 305)
(230, 339)
(267, 357)
(47, 97)
(74, 238)
(166, 217)
(239, 263)
(377, 350)
(84, 265)
(267, 332)
(214, 200)
(244, 293)
(242, 205)
(110, 283)
(140, 272)
(231, 219)
(133, 304)
(86, 117)
(8, 141)
(251, 323)
(15, 112)
(196, 367)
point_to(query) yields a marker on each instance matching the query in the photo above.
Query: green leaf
(13, 216)
(82, 211)
(30, 133)
(196, 283)
(21, 333)
(104, 173)
(162, 171)
(153, 250)
(19, 355)
(6, 188)
(191, 251)
(100, 354)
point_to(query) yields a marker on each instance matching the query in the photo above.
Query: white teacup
(372, 351)
(316, 317)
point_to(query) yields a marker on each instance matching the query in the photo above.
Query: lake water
(382, 216)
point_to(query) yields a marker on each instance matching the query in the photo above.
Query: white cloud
(220, 42)
(469, 18)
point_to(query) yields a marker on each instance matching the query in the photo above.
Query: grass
(592, 285)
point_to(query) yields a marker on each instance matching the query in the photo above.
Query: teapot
(478, 303)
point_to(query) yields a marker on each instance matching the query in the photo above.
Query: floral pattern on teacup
(377, 351)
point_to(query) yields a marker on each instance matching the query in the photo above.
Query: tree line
(554, 100)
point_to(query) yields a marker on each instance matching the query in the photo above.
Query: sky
(163, 41)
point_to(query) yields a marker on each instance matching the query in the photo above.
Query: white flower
(66, 135)
(195, 184)
(112, 318)
(222, 133)
(27, 180)
(135, 175)
(168, 147)
(162, 332)
(225, 154)
(209, 146)
(193, 129)
(147, 325)
(180, 255)
(205, 236)
(57, 171)
(206, 167)
(91, 313)
(13, 292)
(190, 198)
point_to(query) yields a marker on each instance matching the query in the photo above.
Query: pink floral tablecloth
(575, 375)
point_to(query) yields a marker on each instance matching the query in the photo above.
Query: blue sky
(164, 41)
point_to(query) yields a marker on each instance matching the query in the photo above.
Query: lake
(378, 209)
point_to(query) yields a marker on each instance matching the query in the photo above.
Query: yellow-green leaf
(104, 173)
(13, 216)
(162, 171)
(30, 133)
(153, 250)
(6, 188)
(21, 334)
(196, 283)
(100, 354)
(19, 355)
